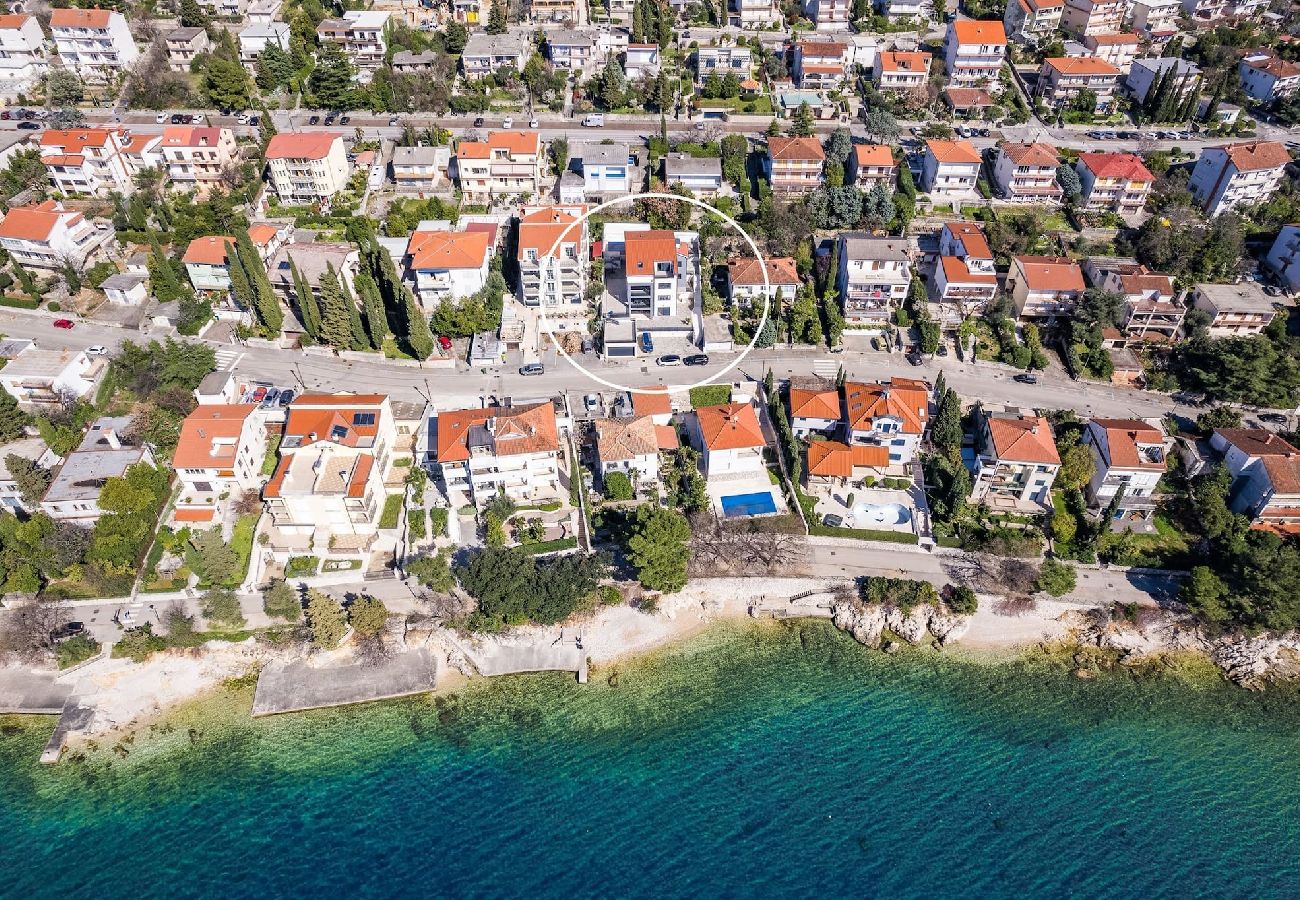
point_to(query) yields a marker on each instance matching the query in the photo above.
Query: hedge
(20, 302)
(864, 534)
(566, 543)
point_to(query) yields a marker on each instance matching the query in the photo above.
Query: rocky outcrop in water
(868, 622)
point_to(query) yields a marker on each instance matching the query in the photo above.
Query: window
(363, 418)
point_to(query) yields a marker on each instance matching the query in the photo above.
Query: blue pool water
(748, 505)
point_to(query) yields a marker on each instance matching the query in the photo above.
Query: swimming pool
(881, 514)
(759, 504)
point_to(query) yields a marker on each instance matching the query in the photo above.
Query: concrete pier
(297, 686)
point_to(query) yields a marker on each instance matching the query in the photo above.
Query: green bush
(301, 566)
(136, 644)
(962, 600)
(710, 395)
(438, 521)
(901, 592)
(1056, 577)
(76, 650)
(19, 302)
(416, 523)
(392, 511)
(566, 543)
(54, 306)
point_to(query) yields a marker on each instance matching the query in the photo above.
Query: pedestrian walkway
(31, 693)
(826, 368)
(228, 359)
(295, 686)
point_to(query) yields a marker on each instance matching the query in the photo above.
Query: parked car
(532, 369)
(696, 359)
(647, 342)
(29, 126)
(1273, 290)
(255, 120)
(329, 118)
(942, 351)
(271, 397)
(97, 350)
(508, 122)
(68, 630)
(345, 120)
(832, 521)
(1273, 418)
(532, 123)
(669, 359)
(159, 119)
(286, 396)
(591, 403)
(444, 342)
(259, 395)
(392, 121)
(176, 118)
(314, 120)
(67, 324)
(242, 118)
(1025, 378)
(914, 358)
(478, 121)
(593, 120)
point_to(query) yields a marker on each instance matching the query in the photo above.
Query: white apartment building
(1060, 79)
(873, 164)
(898, 10)
(965, 279)
(499, 450)
(73, 494)
(362, 35)
(420, 169)
(745, 283)
(552, 254)
(722, 60)
(1284, 256)
(197, 157)
(729, 439)
(1266, 77)
(97, 43)
(86, 161)
(631, 447)
(1235, 309)
(446, 265)
(22, 49)
(828, 15)
(874, 275)
(49, 377)
(974, 51)
(46, 236)
(1084, 17)
(257, 37)
(892, 415)
(656, 268)
(487, 53)
(570, 49)
(1238, 175)
(1027, 172)
(606, 168)
(814, 409)
(220, 451)
(950, 169)
(1156, 20)
(1032, 21)
(820, 65)
(508, 163)
(1015, 462)
(899, 71)
(1128, 454)
(184, 46)
(1117, 49)
(794, 164)
(1044, 287)
(1143, 75)
(1118, 182)
(753, 14)
(307, 166)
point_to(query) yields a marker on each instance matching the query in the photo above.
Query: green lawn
(300, 566)
(567, 543)
(710, 395)
(392, 511)
(1167, 548)
(268, 461)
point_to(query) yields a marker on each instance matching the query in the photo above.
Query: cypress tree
(308, 310)
(359, 339)
(419, 339)
(372, 310)
(264, 302)
(239, 285)
(335, 323)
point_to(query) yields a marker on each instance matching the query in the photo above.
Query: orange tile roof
(136, 144)
(873, 155)
(960, 151)
(194, 513)
(515, 430)
(1050, 273)
(1036, 154)
(822, 48)
(730, 426)
(1116, 165)
(1025, 439)
(302, 145)
(795, 148)
(77, 137)
(1275, 66)
(813, 404)
(979, 31)
(79, 18)
(340, 399)
(1112, 39)
(1080, 65)
(1122, 439)
(13, 21)
(516, 142)
(191, 137)
(619, 439)
(30, 223)
(1254, 156)
(749, 271)
(209, 251)
(832, 459)
(473, 150)
(895, 61)
(654, 401)
(448, 249)
(64, 159)
(902, 398)
(272, 488)
(262, 235)
(207, 435)
(956, 271)
(972, 239)
(965, 97)
(360, 474)
(543, 229)
(320, 414)
(642, 249)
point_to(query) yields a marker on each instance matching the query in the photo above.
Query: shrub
(76, 650)
(962, 600)
(327, 619)
(300, 566)
(1056, 577)
(279, 601)
(137, 644)
(367, 615)
(438, 521)
(416, 523)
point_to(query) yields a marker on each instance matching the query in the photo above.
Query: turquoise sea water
(782, 760)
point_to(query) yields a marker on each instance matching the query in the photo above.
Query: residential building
(553, 254)
(1238, 175)
(1235, 309)
(607, 169)
(755, 14)
(97, 43)
(1015, 461)
(32, 449)
(486, 53)
(969, 103)
(794, 164)
(104, 452)
(901, 71)
(327, 491)
(892, 414)
(1081, 18)
(1044, 287)
(217, 388)
(553, 11)
(47, 236)
(1156, 20)
(1060, 79)
(207, 262)
(513, 451)
(833, 464)
(22, 49)
(307, 167)
(51, 377)
(1117, 49)
(1284, 257)
(219, 453)
(641, 59)
(508, 163)
(820, 65)
(965, 279)
(569, 49)
(140, 152)
(446, 265)
(125, 288)
(1265, 77)
(1032, 21)
(723, 59)
(632, 447)
(1117, 182)
(828, 15)
(363, 36)
(1266, 476)
(658, 267)
(873, 164)
(1204, 13)
(874, 275)
(407, 63)
(469, 12)
(184, 45)
(312, 261)
(896, 11)
(1143, 75)
(233, 9)
(1128, 455)
(263, 12)
(745, 279)
(702, 176)
(1151, 311)
(86, 161)
(974, 51)
(197, 157)
(420, 169)
(729, 439)
(257, 37)
(1027, 173)
(950, 169)
(814, 408)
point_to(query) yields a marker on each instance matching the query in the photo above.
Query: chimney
(110, 435)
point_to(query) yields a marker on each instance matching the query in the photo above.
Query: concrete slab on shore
(509, 659)
(297, 686)
(32, 693)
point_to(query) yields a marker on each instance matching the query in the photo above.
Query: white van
(593, 120)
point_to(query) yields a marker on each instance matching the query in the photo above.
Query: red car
(259, 395)
(63, 323)
(444, 342)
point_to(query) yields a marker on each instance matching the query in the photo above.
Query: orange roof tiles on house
(79, 18)
(1050, 273)
(979, 31)
(1254, 156)
(209, 436)
(749, 271)
(1080, 65)
(654, 401)
(822, 48)
(331, 417)
(447, 249)
(1035, 154)
(1116, 165)
(1112, 39)
(956, 271)
(1122, 439)
(1275, 66)
(814, 404)
(302, 145)
(77, 137)
(960, 151)
(276, 482)
(963, 98)
(209, 251)
(544, 229)
(340, 399)
(515, 430)
(895, 61)
(13, 21)
(972, 239)
(262, 235)
(1146, 282)
(730, 426)
(904, 399)
(360, 474)
(620, 439)
(873, 155)
(795, 148)
(64, 159)
(30, 223)
(642, 249)
(832, 459)
(191, 137)
(136, 144)
(1026, 439)
(516, 142)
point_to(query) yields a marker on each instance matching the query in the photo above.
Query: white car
(160, 118)
(508, 122)
(532, 123)
(242, 118)
(97, 350)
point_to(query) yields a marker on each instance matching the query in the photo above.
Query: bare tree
(29, 629)
(1004, 576)
(749, 547)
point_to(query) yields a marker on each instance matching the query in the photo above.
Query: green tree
(336, 318)
(455, 36)
(656, 547)
(331, 80)
(274, 68)
(326, 618)
(308, 308)
(497, 22)
(214, 559)
(613, 84)
(226, 83)
(617, 486)
(962, 601)
(434, 572)
(12, 419)
(1077, 468)
(63, 87)
(372, 311)
(1206, 593)
(881, 126)
(265, 303)
(368, 616)
(280, 601)
(192, 15)
(946, 430)
(419, 339)
(1056, 578)
(220, 606)
(1068, 179)
(560, 154)
(32, 480)
(802, 123)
